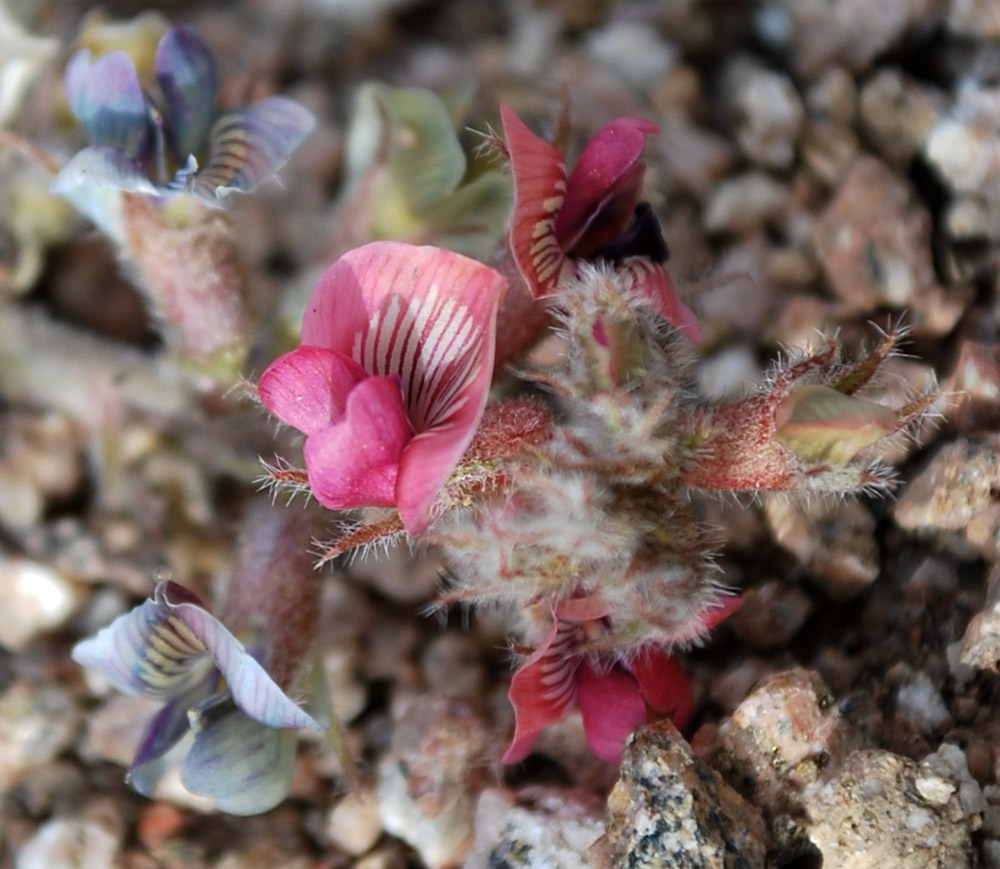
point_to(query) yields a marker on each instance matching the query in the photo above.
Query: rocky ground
(822, 165)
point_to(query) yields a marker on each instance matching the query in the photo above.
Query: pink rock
(873, 241)
(780, 740)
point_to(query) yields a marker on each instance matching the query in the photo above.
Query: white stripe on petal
(432, 343)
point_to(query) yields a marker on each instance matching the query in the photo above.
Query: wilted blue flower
(175, 143)
(172, 649)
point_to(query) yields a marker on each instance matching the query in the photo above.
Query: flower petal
(308, 388)
(652, 281)
(145, 778)
(166, 646)
(101, 166)
(604, 187)
(252, 689)
(355, 462)
(543, 689)
(664, 684)
(427, 316)
(612, 707)
(106, 98)
(148, 651)
(248, 145)
(169, 725)
(539, 192)
(189, 82)
(243, 766)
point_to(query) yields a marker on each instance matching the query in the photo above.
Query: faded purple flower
(176, 142)
(171, 648)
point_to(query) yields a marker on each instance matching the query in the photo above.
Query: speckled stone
(37, 722)
(978, 18)
(771, 614)
(70, 843)
(537, 828)
(452, 666)
(115, 728)
(963, 145)
(920, 702)
(897, 114)
(821, 33)
(834, 541)
(873, 241)
(35, 599)
(781, 739)
(399, 577)
(829, 150)
(973, 387)
(767, 113)
(963, 149)
(353, 824)
(695, 159)
(634, 51)
(954, 497)
(429, 781)
(40, 463)
(669, 809)
(980, 647)
(884, 810)
(744, 203)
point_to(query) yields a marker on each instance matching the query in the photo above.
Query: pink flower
(391, 379)
(594, 215)
(613, 699)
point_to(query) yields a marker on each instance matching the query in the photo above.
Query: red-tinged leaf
(308, 387)
(612, 707)
(604, 187)
(354, 462)
(722, 609)
(539, 191)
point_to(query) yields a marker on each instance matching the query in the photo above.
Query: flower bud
(820, 424)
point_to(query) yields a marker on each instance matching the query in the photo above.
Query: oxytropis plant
(574, 514)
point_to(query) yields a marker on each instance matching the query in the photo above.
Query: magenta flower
(391, 379)
(594, 215)
(613, 698)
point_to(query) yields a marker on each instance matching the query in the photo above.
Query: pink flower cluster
(390, 387)
(391, 378)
